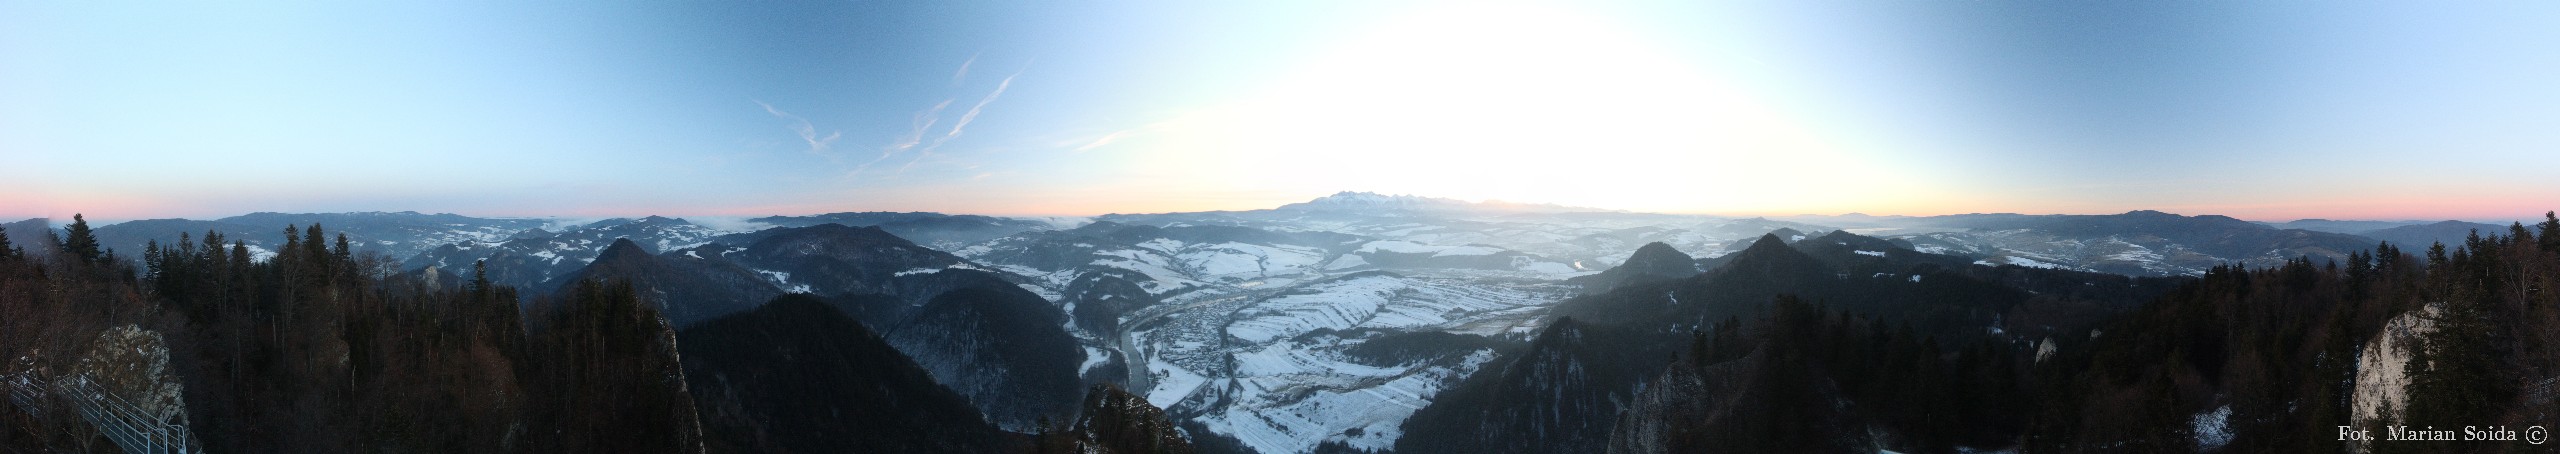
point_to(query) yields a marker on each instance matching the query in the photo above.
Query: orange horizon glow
(2260, 112)
(2408, 208)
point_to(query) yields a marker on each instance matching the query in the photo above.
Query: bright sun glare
(1517, 103)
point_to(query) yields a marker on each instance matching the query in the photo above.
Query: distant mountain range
(1357, 320)
(940, 231)
(2419, 235)
(526, 252)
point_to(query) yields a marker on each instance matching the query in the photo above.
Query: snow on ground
(1167, 246)
(1094, 357)
(2212, 428)
(2132, 253)
(1407, 230)
(1172, 383)
(1870, 253)
(1338, 304)
(1552, 269)
(1223, 263)
(2020, 261)
(1467, 251)
(780, 279)
(955, 266)
(260, 253)
(1244, 261)
(783, 280)
(2031, 263)
(1293, 400)
(1159, 269)
(1400, 247)
(917, 271)
(1237, 356)
(1226, 344)
(1437, 303)
(1376, 301)
(1286, 358)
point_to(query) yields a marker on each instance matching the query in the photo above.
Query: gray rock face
(131, 365)
(2382, 382)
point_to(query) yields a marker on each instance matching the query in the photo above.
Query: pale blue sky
(2264, 110)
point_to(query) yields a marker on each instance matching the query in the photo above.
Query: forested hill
(316, 349)
(1830, 343)
(1785, 353)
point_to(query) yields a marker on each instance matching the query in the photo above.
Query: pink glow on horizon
(118, 208)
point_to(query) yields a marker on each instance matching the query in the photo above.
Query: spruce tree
(316, 244)
(480, 278)
(315, 250)
(2436, 261)
(7, 251)
(344, 255)
(291, 250)
(151, 260)
(2455, 373)
(244, 281)
(2550, 231)
(80, 242)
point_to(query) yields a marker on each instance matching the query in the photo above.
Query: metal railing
(130, 426)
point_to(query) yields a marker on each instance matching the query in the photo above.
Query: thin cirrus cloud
(1106, 139)
(972, 114)
(924, 122)
(1124, 134)
(821, 146)
(913, 144)
(963, 73)
(958, 126)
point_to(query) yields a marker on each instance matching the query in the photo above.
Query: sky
(2268, 110)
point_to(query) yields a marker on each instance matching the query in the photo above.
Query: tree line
(2267, 357)
(315, 348)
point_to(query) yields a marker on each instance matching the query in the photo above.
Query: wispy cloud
(1116, 136)
(822, 146)
(1105, 140)
(972, 115)
(922, 123)
(961, 125)
(963, 73)
(925, 120)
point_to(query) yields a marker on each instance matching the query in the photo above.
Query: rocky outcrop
(1727, 406)
(2382, 382)
(130, 367)
(1673, 406)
